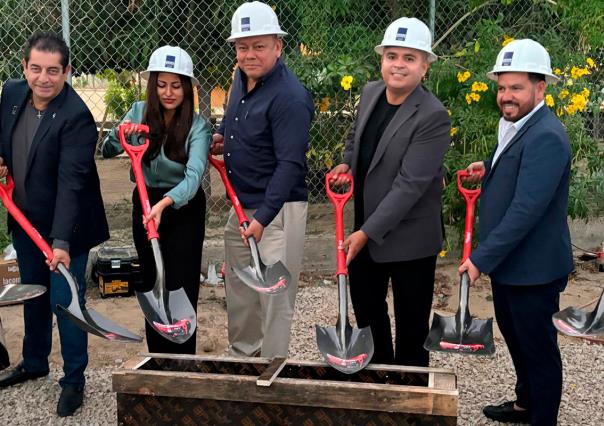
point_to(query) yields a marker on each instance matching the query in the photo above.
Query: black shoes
(70, 400)
(505, 413)
(18, 375)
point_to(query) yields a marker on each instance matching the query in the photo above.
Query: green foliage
(122, 92)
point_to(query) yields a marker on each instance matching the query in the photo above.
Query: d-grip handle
(339, 201)
(221, 169)
(6, 194)
(136, 155)
(470, 195)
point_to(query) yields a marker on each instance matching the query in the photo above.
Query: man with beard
(524, 238)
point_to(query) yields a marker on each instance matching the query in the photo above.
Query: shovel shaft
(470, 195)
(136, 155)
(339, 201)
(221, 169)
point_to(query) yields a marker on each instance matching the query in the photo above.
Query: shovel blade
(92, 322)
(271, 279)
(349, 354)
(475, 337)
(11, 294)
(173, 318)
(576, 322)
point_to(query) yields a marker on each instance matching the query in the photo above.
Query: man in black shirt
(395, 153)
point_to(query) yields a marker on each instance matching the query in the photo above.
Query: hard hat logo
(401, 34)
(245, 24)
(170, 61)
(507, 59)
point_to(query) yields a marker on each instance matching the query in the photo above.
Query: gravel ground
(481, 380)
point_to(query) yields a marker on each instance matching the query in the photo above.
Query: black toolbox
(117, 270)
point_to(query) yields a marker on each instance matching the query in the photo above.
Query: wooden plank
(135, 363)
(445, 381)
(312, 393)
(273, 370)
(380, 367)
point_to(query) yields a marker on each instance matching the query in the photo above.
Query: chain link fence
(111, 41)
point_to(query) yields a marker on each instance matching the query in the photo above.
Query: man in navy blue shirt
(264, 137)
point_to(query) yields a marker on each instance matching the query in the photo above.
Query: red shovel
(346, 349)
(463, 333)
(266, 279)
(87, 319)
(170, 313)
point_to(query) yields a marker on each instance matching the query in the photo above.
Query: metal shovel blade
(267, 279)
(169, 312)
(11, 294)
(88, 319)
(461, 333)
(346, 349)
(576, 322)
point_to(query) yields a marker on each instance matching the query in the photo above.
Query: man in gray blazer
(395, 154)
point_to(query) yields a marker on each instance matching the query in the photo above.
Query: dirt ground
(584, 286)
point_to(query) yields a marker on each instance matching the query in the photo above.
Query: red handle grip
(136, 155)
(221, 169)
(339, 201)
(6, 194)
(470, 195)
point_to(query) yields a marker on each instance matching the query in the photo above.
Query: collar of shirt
(508, 129)
(265, 78)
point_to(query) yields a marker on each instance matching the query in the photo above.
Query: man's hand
(472, 270)
(254, 230)
(3, 169)
(337, 171)
(157, 210)
(354, 244)
(476, 171)
(217, 147)
(59, 255)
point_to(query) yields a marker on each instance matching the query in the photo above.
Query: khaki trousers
(260, 323)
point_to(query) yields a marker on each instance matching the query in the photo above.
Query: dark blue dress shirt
(266, 137)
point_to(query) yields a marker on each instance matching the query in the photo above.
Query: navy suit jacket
(524, 236)
(62, 184)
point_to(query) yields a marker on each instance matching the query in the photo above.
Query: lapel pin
(15, 108)
(54, 114)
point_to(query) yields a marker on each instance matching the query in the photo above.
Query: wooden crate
(161, 389)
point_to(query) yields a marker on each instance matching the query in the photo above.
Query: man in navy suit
(524, 242)
(47, 143)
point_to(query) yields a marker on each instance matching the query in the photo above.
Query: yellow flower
(462, 77)
(590, 63)
(468, 99)
(563, 94)
(570, 109)
(507, 40)
(472, 97)
(479, 86)
(576, 72)
(585, 93)
(324, 105)
(453, 133)
(442, 253)
(449, 112)
(569, 82)
(557, 71)
(578, 101)
(549, 101)
(559, 112)
(346, 82)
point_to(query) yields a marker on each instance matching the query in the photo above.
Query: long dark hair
(173, 137)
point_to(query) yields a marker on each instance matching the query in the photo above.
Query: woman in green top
(173, 167)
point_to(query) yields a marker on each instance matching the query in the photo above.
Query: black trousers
(524, 316)
(412, 288)
(181, 232)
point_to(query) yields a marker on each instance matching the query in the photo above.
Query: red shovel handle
(470, 195)
(339, 201)
(221, 168)
(136, 155)
(6, 194)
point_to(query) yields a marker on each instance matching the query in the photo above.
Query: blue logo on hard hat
(245, 24)
(507, 59)
(401, 34)
(170, 61)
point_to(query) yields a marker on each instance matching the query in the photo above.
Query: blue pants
(38, 312)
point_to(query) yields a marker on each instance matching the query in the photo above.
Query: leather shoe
(505, 413)
(70, 400)
(18, 375)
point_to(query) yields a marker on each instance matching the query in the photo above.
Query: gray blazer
(403, 186)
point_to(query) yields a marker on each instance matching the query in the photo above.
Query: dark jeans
(38, 312)
(181, 232)
(412, 289)
(524, 316)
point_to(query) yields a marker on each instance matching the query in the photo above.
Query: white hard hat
(254, 19)
(524, 55)
(408, 32)
(171, 59)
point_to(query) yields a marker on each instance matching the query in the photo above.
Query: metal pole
(66, 30)
(432, 17)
